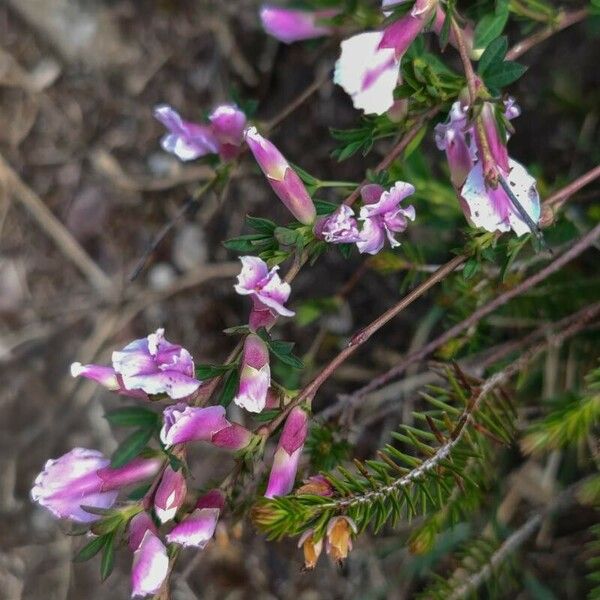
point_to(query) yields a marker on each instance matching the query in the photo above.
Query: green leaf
(248, 243)
(471, 267)
(493, 54)
(261, 225)
(209, 371)
(285, 236)
(108, 558)
(504, 74)
(491, 25)
(230, 386)
(132, 416)
(283, 351)
(131, 447)
(91, 549)
(325, 208)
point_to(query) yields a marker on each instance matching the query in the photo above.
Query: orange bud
(339, 537)
(312, 549)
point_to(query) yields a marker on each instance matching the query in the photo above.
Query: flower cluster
(479, 162)
(382, 218)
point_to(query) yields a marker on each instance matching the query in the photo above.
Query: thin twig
(361, 337)
(191, 203)
(581, 245)
(564, 21)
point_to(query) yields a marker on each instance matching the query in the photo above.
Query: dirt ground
(78, 141)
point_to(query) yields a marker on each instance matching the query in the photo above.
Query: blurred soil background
(78, 80)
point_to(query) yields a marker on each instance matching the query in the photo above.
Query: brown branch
(360, 338)
(564, 21)
(581, 245)
(488, 386)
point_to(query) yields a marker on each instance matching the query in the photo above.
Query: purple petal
(372, 237)
(292, 192)
(184, 423)
(254, 270)
(170, 494)
(228, 124)
(294, 431)
(233, 437)
(137, 528)
(196, 529)
(254, 385)
(105, 376)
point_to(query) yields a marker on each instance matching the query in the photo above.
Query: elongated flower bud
(291, 25)
(198, 528)
(137, 528)
(287, 455)
(283, 179)
(255, 376)
(170, 494)
(403, 32)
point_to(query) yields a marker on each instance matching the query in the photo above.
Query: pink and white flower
(287, 455)
(188, 141)
(197, 529)
(340, 227)
(170, 494)
(183, 423)
(156, 366)
(492, 209)
(291, 25)
(150, 566)
(382, 216)
(283, 179)
(264, 286)
(367, 72)
(150, 365)
(83, 477)
(255, 375)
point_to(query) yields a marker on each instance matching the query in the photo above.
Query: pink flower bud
(496, 143)
(283, 179)
(150, 566)
(289, 25)
(137, 528)
(403, 32)
(82, 477)
(170, 494)
(197, 529)
(255, 376)
(287, 455)
(264, 286)
(228, 123)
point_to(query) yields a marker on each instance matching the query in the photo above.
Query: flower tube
(287, 455)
